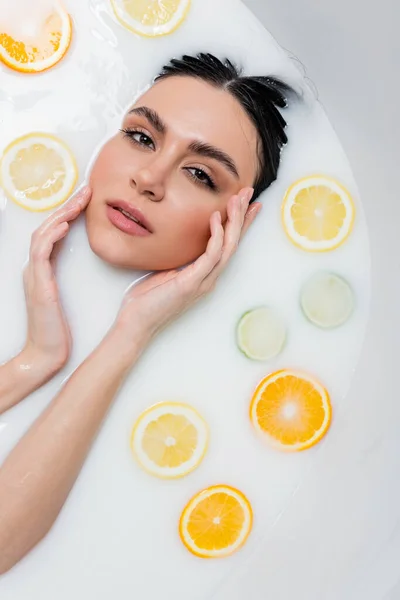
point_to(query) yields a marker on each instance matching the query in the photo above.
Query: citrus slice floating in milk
(318, 214)
(33, 48)
(151, 18)
(38, 171)
(169, 440)
(327, 300)
(261, 334)
(216, 522)
(291, 410)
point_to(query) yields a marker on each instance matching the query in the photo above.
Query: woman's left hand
(158, 299)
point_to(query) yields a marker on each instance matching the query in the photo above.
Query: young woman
(193, 155)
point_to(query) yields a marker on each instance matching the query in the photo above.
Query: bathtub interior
(340, 537)
(334, 526)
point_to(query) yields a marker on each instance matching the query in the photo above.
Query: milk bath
(118, 531)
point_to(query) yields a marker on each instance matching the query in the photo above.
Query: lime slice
(327, 300)
(261, 334)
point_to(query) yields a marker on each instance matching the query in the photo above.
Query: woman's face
(185, 149)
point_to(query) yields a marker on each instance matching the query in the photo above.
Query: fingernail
(256, 208)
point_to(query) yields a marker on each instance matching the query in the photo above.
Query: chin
(113, 249)
(110, 252)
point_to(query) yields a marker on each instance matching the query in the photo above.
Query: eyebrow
(152, 116)
(212, 152)
(197, 147)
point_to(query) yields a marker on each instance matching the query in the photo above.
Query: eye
(201, 177)
(139, 137)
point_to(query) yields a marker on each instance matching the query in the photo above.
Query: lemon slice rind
(150, 30)
(19, 196)
(152, 414)
(302, 241)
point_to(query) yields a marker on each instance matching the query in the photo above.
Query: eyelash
(209, 183)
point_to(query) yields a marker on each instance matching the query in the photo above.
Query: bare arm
(48, 342)
(39, 473)
(21, 376)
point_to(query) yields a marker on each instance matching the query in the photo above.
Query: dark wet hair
(260, 97)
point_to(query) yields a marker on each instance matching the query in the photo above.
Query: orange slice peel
(216, 522)
(318, 214)
(291, 410)
(44, 50)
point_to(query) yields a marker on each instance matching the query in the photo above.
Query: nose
(149, 181)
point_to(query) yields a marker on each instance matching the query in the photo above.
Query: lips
(127, 218)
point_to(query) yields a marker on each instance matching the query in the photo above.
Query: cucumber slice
(327, 300)
(261, 334)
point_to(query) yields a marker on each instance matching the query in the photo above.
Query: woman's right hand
(158, 299)
(48, 342)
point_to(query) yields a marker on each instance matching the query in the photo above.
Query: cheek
(100, 169)
(189, 213)
(106, 163)
(189, 229)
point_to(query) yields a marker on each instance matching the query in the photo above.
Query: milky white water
(23, 19)
(117, 535)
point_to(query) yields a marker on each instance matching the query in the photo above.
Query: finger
(57, 247)
(39, 262)
(236, 215)
(73, 207)
(81, 200)
(203, 266)
(250, 217)
(69, 211)
(42, 245)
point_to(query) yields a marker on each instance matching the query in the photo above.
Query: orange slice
(39, 50)
(169, 440)
(216, 522)
(291, 409)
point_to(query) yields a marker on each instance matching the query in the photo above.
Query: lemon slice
(327, 300)
(261, 334)
(41, 48)
(216, 522)
(291, 410)
(169, 440)
(318, 214)
(38, 171)
(151, 18)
